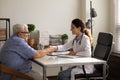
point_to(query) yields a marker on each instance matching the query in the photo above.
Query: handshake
(55, 48)
(51, 49)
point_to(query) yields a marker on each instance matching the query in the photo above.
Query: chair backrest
(0, 68)
(14, 74)
(103, 47)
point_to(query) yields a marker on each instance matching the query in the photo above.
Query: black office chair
(102, 51)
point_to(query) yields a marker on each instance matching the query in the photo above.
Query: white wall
(52, 15)
(101, 23)
(55, 15)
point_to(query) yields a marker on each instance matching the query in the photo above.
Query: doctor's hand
(52, 48)
(72, 53)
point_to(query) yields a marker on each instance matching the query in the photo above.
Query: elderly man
(16, 53)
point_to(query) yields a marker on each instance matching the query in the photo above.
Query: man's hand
(52, 49)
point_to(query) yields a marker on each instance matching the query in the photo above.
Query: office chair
(102, 51)
(13, 73)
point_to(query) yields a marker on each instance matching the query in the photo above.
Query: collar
(79, 37)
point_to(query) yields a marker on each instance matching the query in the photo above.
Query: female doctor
(81, 46)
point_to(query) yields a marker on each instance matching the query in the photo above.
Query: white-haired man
(16, 53)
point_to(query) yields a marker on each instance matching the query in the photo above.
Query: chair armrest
(14, 73)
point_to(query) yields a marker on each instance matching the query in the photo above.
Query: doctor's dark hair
(79, 23)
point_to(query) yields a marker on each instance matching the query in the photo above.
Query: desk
(54, 61)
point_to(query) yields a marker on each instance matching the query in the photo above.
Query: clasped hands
(51, 49)
(72, 53)
(54, 48)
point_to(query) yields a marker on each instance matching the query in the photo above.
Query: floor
(55, 78)
(52, 78)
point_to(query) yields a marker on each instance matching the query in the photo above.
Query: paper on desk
(68, 56)
(59, 53)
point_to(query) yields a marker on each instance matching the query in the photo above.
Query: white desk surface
(54, 61)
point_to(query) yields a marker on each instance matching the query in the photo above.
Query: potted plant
(31, 41)
(64, 38)
(31, 27)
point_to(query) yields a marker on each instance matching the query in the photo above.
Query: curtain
(117, 25)
(117, 40)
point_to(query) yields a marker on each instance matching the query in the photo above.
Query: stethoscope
(79, 39)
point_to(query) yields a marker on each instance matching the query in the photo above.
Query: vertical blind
(117, 23)
(117, 39)
(117, 12)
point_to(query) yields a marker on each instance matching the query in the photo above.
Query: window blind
(117, 39)
(118, 12)
(117, 27)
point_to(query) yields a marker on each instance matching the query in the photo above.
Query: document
(59, 53)
(63, 54)
(67, 56)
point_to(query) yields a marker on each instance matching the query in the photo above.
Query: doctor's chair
(102, 51)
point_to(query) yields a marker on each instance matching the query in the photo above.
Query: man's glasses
(26, 33)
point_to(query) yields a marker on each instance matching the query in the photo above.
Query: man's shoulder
(16, 39)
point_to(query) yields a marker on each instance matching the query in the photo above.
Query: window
(117, 27)
(117, 12)
(117, 41)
